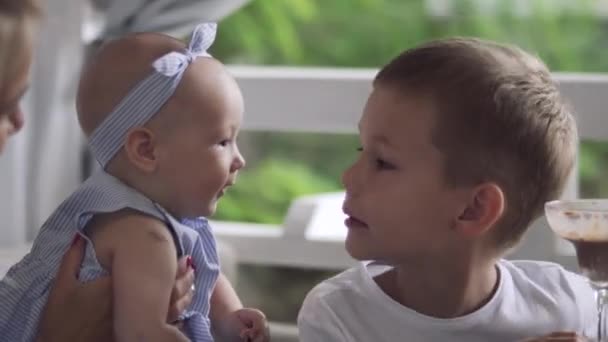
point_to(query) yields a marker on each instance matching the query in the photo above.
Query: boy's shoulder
(334, 309)
(331, 297)
(542, 284)
(542, 274)
(347, 283)
(532, 298)
(524, 279)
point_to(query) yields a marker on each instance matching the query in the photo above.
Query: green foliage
(593, 163)
(367, 33)
(264, 193)
(328, 155)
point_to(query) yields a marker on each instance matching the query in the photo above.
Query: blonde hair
(18, 21)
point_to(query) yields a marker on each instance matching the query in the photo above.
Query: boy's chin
(357, 252)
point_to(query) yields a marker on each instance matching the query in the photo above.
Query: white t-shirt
(532, 299)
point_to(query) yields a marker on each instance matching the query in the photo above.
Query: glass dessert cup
(584, 222)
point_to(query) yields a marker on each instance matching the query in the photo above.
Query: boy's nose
(348, 179)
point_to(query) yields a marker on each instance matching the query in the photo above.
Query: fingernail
(76, 239)
(190, 263)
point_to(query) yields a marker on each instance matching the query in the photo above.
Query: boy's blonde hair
(501, 119)
(18, 19)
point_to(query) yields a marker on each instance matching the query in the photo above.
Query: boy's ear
(140, 146)
(485, 207)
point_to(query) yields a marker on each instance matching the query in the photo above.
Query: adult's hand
(78, 311)
(182, 293)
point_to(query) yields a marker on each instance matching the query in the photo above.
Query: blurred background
(287, 168)
(570, 36)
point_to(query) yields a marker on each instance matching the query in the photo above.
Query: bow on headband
(149, 95)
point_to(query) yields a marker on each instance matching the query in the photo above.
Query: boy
(462, 143)
(162, 120)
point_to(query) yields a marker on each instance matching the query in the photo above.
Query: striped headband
(149, 95)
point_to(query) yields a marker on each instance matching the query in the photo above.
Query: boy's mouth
(352, 222)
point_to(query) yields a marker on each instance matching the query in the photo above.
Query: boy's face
(200, 157)
(398, 205)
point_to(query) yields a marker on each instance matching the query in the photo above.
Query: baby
(162, 119)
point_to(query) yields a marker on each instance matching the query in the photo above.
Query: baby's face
(396, 196)
(199, 157)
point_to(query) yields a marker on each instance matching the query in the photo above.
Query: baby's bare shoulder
(129, 227)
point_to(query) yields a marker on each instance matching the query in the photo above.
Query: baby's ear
(485, 207)
(140, 146)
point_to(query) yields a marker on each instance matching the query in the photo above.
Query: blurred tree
(261, 195)
(367, 33)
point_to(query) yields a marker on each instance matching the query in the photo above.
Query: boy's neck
(442, 290)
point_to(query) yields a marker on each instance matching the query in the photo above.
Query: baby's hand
(558, 336)
(254, 327)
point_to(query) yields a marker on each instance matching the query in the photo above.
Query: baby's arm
(224, 301)
(230, 321)
(143, 267)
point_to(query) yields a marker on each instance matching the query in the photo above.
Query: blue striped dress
(25, 288)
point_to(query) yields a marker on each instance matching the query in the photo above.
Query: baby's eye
(224, 142)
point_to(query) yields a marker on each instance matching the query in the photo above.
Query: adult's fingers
(181, 296)
(183, 265)
(70, 263)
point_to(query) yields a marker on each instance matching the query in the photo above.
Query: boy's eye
(379, 163)
(383, 165)
(224, 143)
